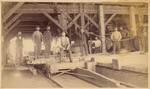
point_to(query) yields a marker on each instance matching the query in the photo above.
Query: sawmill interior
(92, 59)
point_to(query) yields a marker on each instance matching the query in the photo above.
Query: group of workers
(62, 45)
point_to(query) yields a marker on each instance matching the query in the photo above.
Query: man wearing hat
(19, 48)
(83, 45)
(37, 38)
(141, 34)
(47, 38)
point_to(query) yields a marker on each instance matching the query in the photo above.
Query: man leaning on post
(116, 37)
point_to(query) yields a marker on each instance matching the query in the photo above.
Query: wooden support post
(102, 27)
(132, 20)
(82, 16)
(63, 21)
(12, 11)
(12, 20)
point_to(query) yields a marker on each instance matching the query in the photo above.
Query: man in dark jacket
(83, 45)
(37, 38)
(19, 48)
(47, 38)
(141, 34)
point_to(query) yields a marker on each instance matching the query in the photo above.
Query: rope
(111, 39)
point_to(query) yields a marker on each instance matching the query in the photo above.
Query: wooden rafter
(52, 19)
(91, 20)
(112, 16)
(12, 20)
(14, 25)
(12, 11)
(70, 24)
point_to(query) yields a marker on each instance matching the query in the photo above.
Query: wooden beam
(70, 24)
(112, 16)
(89, 22)
(102, 27)
(12, 20)
(93, 9)
(14, 25)
(19, 4)
(52, 19)
(71, 20)
(92, 20)
(132, 20)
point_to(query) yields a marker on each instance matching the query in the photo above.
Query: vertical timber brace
(132, 20)
(82, 16)
(102, 27)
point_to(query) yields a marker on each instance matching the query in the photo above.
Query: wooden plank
(52, 19)
(12, 20)
(70, 24)
(14, 25)
(19, 4)
(55, 67)
(92, 20)
(102, 27)
(98, 79)
(112, 16)
(132, 20)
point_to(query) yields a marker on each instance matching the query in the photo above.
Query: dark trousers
(64, 53)
(47, 50)
(37, 50)
(116, 47)
(19, 55)
(83, 49)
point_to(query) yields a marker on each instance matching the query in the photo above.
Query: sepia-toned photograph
(49, 44)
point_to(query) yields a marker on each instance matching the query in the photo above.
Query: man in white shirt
(116, 37)
(97, 45)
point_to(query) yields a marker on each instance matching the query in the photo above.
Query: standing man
(19, 48)
(37, 38)
(65, 46)
(141, 34)
(83, 45)
(124, 34)
(47, 38)
(116, 37)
